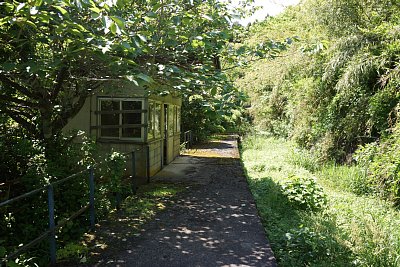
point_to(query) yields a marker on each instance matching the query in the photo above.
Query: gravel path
(214, 223)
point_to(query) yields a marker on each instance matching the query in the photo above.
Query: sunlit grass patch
(150, 199)
(353, 229)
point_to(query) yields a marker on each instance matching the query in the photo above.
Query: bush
(304, 193)
(26, 165)
(308, 245)
(382, 162)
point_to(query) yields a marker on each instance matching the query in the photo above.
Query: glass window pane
(109, 132)
(132, 132)
(109, 105)
(157, 120)
(171, 120)
(132, 118)
(120, 119)
(178, 119)
(109, 119)
(131, 105)
(150, 127)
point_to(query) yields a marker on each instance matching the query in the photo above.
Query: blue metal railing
(50, 233)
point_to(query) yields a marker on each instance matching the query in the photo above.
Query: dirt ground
(213, 223)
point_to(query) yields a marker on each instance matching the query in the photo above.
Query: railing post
(190, 139)
(52, 237)
(91, 198)
(186, 140)
(133, 172)
(148, 163)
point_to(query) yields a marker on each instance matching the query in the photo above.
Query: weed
(73, 251)
(355, 229)
(303, 158)
(305, 193)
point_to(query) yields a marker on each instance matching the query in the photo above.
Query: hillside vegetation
(313, 214)
(335, 90)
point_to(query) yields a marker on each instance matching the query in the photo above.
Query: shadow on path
(213, 223)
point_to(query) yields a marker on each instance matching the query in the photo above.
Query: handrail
(30, 193)
(50, 187)
(188, 139)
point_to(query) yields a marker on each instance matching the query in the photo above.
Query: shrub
(304, 193)
(382, 161)
(308, 245)
(27, 165)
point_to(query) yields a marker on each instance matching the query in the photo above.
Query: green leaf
(62, 10)
(7, 66)
(113, 28)
(25, 21)
(142, 37)
(2, 252)
(145, 77)
(207, 17)
(80, 27)
(76, 32)
(20, 6)
(13, 264)
(119, 21)
(177, 20)
(156, 7)
(95, 10)
(4, 21)
(126, 45)
(152, 14)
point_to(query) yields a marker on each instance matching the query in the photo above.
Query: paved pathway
(215, 223)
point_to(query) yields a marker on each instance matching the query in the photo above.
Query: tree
(54, 52)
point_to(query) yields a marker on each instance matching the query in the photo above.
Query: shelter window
(154, 130)
(178, 120)
(121, 118)
(171, 120)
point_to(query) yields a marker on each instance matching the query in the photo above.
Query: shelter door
(165, 148)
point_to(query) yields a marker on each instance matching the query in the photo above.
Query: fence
(50, 233)
(188, 139)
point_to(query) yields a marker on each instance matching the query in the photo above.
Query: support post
(92, 214)
(133, 172)
(52, 237)
(148, 163)
(187, 144)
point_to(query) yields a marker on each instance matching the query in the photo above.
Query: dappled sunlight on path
(213, 223)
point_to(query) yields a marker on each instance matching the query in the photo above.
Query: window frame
(151, 127)
(178, 114)
(120, 113)
(171, 120)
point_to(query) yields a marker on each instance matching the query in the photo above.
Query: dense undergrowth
(26, 165)
(335, 90)
(318, 214)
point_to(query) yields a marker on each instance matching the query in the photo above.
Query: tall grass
(354, 229)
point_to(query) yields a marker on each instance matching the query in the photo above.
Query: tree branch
(15, 85)
(6, 98)
(59, 81)
(16, 116)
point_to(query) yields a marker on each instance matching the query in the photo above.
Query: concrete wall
(156, 156)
